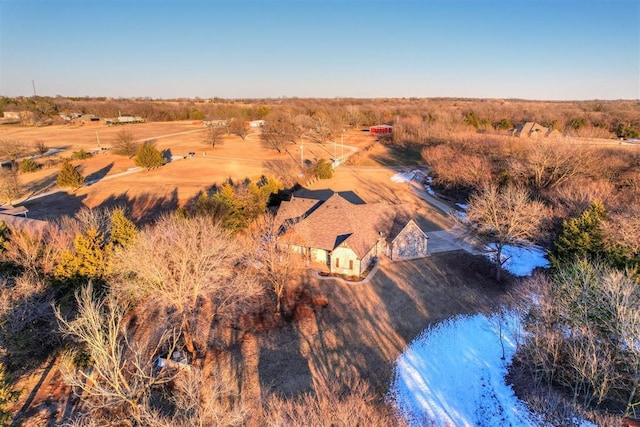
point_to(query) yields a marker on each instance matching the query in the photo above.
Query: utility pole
(98, 138)
(302, 153)
(33, 84)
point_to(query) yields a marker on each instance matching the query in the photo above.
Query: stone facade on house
(410, 243)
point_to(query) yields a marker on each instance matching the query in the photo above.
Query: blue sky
(554, 50)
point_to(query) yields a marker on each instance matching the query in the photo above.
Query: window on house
(337, 262)
(350, 264)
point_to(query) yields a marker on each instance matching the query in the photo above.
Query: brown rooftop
(335, 221)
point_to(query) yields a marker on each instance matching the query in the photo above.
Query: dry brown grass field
(148, 192)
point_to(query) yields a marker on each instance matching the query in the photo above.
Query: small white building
(256, 123)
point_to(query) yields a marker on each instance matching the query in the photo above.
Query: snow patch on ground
(403, 176)
(453, 375)
(427, 186)
(521, 261)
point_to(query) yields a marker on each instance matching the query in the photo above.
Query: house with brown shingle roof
(533, 130)
(347, 237)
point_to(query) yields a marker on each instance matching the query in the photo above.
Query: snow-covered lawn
(453, 375)
(521, 261)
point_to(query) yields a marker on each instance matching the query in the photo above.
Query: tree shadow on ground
(98, 175)
(54, 205)
(48, 183)
(285, 170)
(31, 344)
(284, 371)
(399, 155)
(145, 208)
(436, 288)
(366, 326)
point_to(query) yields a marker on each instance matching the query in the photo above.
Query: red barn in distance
(380, 129)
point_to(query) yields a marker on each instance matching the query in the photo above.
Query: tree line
(582, 319)
(412, 116)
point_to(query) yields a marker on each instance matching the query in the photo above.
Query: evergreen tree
(4, 236)
(7, 396)
(89, 258)
(324, 169)
(229, 207)
(149, 157)
(69, 176)
(123, 230)
(236, 206)
(29, 165)
(581, 237)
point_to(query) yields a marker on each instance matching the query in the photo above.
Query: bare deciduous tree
(501, 217)
(213, 136)
(549, 164)
(10, 187)
(182, 261)
(27, 321)
(584, 333)
(13, 149)
(239, 127)
(622, 232)
(277, 265)
(36, 253)
(331, 405)
(121, 374)
(279, 131)
(211, 402)
(125, 145)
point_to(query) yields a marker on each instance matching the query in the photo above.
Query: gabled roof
(32, 226)
(529, 129)
(9, 209)
(294, 210)
(334, 222)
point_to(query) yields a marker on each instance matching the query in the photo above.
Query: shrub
(324, 169)
(69, 176)
(41, 146)
(149, 157)
(29, 165)
(80, 155)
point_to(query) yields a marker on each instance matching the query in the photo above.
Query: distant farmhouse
(79, 118)
(346, 238)
(534, 130)
(256, 123)
(121, 120)
(216, 123)
(11, 117)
